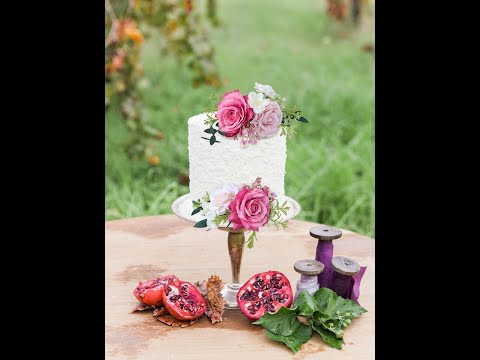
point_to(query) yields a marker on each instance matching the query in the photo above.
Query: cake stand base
(229, 294)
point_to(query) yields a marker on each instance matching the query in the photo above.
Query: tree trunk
(356, 10)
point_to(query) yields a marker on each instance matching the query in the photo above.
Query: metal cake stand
(182, 207)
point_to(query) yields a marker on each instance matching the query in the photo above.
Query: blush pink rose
(233, 113)
(266, 123)
(249, 209)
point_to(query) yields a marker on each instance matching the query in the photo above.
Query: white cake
(211, 166)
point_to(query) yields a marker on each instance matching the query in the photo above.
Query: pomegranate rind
(150, 292)
(172, 294)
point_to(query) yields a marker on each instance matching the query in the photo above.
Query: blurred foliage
(183, 33)
(337, 9)
(340, 9)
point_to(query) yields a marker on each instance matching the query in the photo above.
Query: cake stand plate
(182, 207)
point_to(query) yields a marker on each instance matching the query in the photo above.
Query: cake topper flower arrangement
(249, 207)
(250, 118)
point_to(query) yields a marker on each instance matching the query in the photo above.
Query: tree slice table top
(138, 249)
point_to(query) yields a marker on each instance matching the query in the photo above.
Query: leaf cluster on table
(326, 313)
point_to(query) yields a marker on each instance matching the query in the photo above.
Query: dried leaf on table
(210, 291)
(163, 316)
(142, 307)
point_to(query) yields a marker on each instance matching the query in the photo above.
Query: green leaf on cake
(198, 209)
(213, 139)
(221, 132)
(201, 224)
(302, 119)
(210, 130)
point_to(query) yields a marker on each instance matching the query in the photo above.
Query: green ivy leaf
(221, 132)
(336, 307)
(197, 210)
(213, 139)
(327, 336)
(302, 119)
(335, 312)
(305, 305)
(201, 224)
(283, 322)
(294, 341)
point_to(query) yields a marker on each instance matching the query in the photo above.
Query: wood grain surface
(143, 248)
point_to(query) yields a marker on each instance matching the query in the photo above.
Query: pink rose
(233, 113)
(268, 121)
(249, 209)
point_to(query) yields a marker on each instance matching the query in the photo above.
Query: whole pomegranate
(150, 292)
(183, 301)
(267, 291)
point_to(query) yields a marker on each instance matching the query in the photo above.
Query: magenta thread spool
(343, 270)
(325, 235)
(308, 270)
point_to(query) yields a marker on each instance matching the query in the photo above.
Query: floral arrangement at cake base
(248, 207)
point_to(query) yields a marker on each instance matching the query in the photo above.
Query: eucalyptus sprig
(211, 121)
(276, 211)
(212, 131)
(220, 219)
(290, 113)
(197, 206)
(212, 110)
(251, 239)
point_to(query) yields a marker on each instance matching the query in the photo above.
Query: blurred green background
(324, 66)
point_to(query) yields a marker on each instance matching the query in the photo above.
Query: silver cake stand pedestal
(182, 207)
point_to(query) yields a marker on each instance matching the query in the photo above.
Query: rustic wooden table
(143, 248)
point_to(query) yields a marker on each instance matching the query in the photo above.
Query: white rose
(221, 198)
(257, 102)
(266, 89)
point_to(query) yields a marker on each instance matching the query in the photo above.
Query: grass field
(317, 64)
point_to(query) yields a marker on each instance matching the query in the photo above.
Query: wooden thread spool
(343, 270)
(308, 270)
(324, 253)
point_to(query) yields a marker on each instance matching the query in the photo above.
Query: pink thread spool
(343, 270)
(324, 253)
(308, 270)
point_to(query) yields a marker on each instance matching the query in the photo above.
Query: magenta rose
(233, 113)
(268, 121)
(249, 209)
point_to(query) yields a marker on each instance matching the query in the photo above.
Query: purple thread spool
(308, 270)
(343, 270)
(325, 234)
